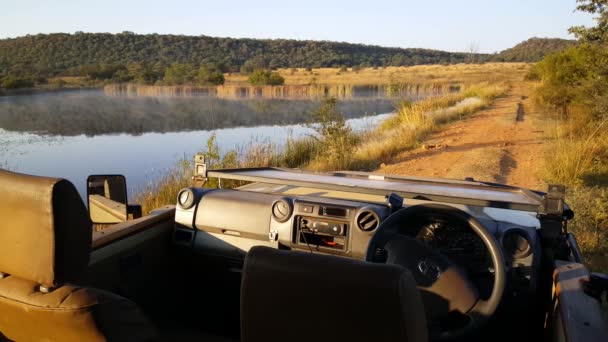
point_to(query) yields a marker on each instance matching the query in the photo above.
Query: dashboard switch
(306, 209)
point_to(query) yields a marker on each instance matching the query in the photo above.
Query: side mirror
(107, 198)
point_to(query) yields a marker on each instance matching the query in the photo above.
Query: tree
(178, 74)
(275, 79)
(473, 51)
(256, 63)
(333, 134)
(210, 74)
(561, 75)
(598, 33)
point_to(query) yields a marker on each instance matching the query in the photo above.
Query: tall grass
(577, 156)
(163, 191)
(414, 121)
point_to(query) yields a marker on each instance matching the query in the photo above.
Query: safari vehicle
(294, 256)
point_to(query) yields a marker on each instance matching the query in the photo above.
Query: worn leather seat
(45, 243)
(297, 296)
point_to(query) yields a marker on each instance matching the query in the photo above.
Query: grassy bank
(414, 121)
(334, 145)
(578, 158)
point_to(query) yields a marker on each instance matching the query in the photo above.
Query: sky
(451, 25)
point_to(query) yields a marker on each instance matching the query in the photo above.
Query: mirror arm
(134, 211)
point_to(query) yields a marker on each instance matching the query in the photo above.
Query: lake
(72, 134)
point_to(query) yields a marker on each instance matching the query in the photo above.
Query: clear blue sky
(442, 24)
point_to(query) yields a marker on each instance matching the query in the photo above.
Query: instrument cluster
(457, 242)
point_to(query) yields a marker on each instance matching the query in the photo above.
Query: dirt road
(499, 144)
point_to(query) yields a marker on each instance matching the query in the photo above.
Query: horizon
(452, 27)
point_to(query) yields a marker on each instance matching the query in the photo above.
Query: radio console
(321, 227)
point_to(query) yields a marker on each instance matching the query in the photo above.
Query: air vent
(516, 244)
(282, 209)
(367, 220)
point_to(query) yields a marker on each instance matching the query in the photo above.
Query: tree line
(129, 57)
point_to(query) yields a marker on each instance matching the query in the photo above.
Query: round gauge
(281, 210)
(456, 242)
(516, 244)
(185, 198)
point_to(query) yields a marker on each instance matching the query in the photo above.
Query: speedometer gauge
(457, 242)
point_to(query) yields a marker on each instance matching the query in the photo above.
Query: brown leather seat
(298, 296)
(45, 242)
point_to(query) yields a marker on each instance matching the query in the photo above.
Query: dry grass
(419, 74)
(570, 157)
(164, 190)
(577, 156)
(590, 224)
(414, 121)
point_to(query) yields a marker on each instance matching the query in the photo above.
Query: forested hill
(128, 57)
(534, 49)
(57, 53)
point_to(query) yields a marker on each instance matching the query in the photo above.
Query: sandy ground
(500, 144)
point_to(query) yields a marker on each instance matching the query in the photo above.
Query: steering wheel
(444, 287)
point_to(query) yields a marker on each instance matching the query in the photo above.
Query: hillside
(57, 53)
(534, 49)
(95, 58)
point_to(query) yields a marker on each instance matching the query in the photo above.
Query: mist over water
(90, 112)
(72, 134)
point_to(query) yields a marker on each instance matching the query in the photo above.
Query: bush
(573, 78)
(334, 136)
(590, 223)
(178, 74)
(11, 82)
(210, 74)
(265, 77)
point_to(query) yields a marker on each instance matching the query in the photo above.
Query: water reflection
(91, 113)
(75, 133)
(140, 158)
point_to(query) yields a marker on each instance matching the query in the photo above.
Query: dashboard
(225, 224)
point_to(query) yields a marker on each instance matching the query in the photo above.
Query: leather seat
(297, 296)
(45, 243)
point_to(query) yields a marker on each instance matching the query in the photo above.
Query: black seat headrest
(297, 296)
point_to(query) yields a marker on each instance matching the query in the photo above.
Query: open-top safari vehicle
(294, 256)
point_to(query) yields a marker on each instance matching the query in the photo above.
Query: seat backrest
(45, 231)
(298, 296)
(45, 242)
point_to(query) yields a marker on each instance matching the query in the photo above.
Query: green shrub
(210, 74)
(178, 74)
(334, 136)
(11, 82)
(265, 77)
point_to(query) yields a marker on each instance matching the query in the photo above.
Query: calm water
(77, 133)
